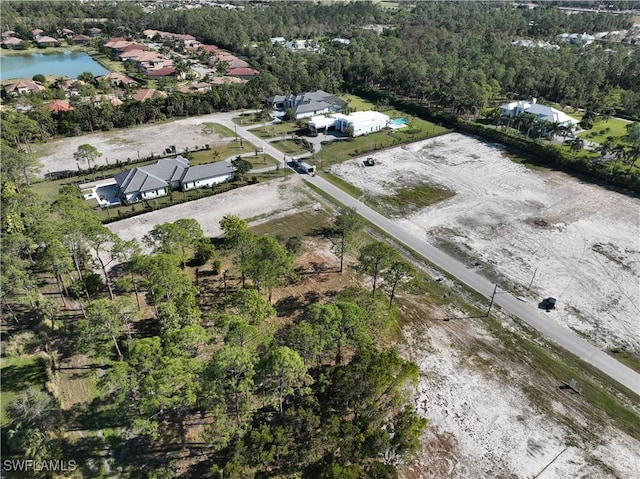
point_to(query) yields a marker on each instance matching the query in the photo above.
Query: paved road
(533, 316)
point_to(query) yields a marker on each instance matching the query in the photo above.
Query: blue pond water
(63, 64)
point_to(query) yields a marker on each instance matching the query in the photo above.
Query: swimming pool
(399, 121)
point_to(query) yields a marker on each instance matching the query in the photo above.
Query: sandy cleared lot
(255, 202)
(131, 143)
(481, 424)
(581, 241)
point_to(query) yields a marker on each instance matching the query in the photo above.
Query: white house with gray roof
(156, 180)
(307, 104)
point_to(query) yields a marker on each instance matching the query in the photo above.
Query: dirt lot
(579, 240)
(483, 424)
(131, 143)
(256, 202)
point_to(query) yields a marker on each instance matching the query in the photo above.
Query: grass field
(18, 373)
(298, 224)
(288, 147)
(277, 130)
(409, 200)
(222, 152)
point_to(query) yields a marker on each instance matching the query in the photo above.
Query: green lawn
(602, 129)
(18, 373)
(357, 103)
(219, 129)
(297, 224)
(222, 152)
(288, 147)
(340, 151)
(277, 130)
(248, 119)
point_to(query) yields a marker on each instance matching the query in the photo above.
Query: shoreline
(91, 52)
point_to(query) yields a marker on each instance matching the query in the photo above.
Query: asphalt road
(530, 314)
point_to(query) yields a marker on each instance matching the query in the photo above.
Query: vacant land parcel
(577, 242)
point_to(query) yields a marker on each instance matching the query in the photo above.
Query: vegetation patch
(408, 200)
(289, 147)
(629, 358)
(19, 373)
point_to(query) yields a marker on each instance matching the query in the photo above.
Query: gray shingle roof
(210, 170)
(152, 177)
(138, 180)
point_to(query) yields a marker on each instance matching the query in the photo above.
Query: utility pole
(532, 278)
(492, 296)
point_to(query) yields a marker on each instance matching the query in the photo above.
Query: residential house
(360, 122)
(208, 175)
(542, 112)
(8, 34)
(307, 104)
(58, 106)
(12, 43)
(117, 79)
(80, 39)
(199, 87)
(66, 32)
(226, 80)
(246, 73)
(147, 94)
(22, 87)
(36, 33)
(100, 100)
(156, 180)
(164, 73)
(70, 86)
(94, 32)
(46, 41)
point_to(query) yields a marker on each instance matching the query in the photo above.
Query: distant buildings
(542, 112)
(579, 39)
(22, 87)
(307, 104)
(360, 122)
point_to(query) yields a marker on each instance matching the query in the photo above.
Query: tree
(374, 259)
(577, 144)
(241, 167)
(267, 263)
(250, 305)
(87, 153)
(33, 418)
(166, 282)
(398, 274)
(283, 372)
(175, 238)
(346, 223)
(105, 323)
(238, 237)
(231, 374)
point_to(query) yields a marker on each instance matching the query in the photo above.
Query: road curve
(512, 305)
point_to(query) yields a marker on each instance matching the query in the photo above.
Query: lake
(69, 64)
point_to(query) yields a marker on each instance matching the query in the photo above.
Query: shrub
(22, 343)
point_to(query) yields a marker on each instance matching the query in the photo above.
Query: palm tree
(577, 144)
